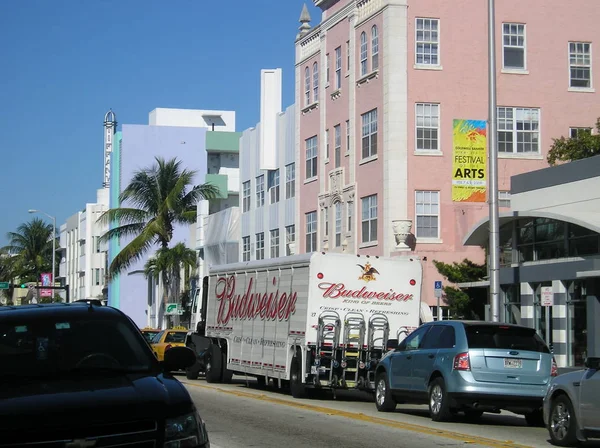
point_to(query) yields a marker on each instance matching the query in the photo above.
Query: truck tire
(297, 387)
(214, 364)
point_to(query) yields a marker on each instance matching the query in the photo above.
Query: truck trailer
(310, 321)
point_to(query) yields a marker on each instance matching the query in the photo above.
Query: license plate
(512, 363)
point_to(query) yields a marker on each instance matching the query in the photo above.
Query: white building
(268, 177)
(83, 263)
(213, 120)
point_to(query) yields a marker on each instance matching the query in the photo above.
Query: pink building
(379, 84)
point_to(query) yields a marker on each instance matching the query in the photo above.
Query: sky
(66, 62)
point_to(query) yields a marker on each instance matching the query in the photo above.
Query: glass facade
(576, 323)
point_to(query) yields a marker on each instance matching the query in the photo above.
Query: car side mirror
(592, 363)
(392, 344)
(178, 358)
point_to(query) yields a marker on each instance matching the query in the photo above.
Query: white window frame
(315, 75)
(514, 37)
(576, 131)
(260, 246)
(347, 136)
(246, 248)
(580, 60)
(348, 55)
(369, 219)
(326, 145)
(338, 68)
(274, 243)
(328, 74)
(290, 180)
(509, 123)
(326, 221)
(310, 219)
(246, 201)
(260, 191)
(374, 48)
(369, 134)
(312, 148)
(337, 145)
(290, 238)
(350, 215)
(307, 86)
(338, 224)
(274, 182)
(427, 206)
(364, 54)
(504, 199)
(428, 39)
(427, 118)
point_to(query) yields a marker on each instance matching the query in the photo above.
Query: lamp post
(494, 234)
(53, 241)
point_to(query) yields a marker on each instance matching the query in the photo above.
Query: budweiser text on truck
(317, 320)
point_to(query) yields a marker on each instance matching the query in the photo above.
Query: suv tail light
(554, 368)
(168, 347)
(461, 362)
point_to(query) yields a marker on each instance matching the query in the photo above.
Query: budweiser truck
(318, 320)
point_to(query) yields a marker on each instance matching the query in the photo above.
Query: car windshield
(53, 345)
(176, 336)
(149, 335)
(505, 337)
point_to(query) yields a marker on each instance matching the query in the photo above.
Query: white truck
(318, 320)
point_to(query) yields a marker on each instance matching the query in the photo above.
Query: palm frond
(123, 231)
(123, 215)
(134, 251)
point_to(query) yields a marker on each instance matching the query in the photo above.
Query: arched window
(364, 53)
(315, 82)
(307, 86)
(374, 48)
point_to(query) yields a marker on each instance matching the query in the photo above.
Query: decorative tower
(110, 127)
(304, 22)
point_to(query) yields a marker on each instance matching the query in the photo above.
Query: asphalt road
(241, 415)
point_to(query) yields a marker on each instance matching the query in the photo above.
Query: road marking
(465, 438)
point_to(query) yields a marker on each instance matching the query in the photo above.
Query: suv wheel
(563, 423)
(383, 395)
(439, 406)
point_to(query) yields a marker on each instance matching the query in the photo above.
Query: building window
(427, 42)
(246, 248)
(311, 157)
(427, 205)
(246, 197)
(337, 150)
(350, 214)
(290, 181)
(290, 238)
(504, 199)
(580, 65)
(316, 82)
(274, 186)
(578, 132)
(327, 65)
(260, 191)
(338, 68)
(97, 272)
(369, 219)
(260, 246)
(369, 134)
(307, 86)
(326, 144)
(364, 50)
(513, 46)
(374, 48)
(348, 54)
(518, 130)
(326, 220)
(347, 135)
(311, 231)
(427, 126)
(274, 243)
(97, 244)
(338, 224)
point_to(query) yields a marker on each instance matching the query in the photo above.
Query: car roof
(58, 310)
(479, 323)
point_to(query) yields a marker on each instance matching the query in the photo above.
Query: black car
(81, 375)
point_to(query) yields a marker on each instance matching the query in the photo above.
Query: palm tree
(31, 246)
(8, 273)
(159, 197)
(168, 263)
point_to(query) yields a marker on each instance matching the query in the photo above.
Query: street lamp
(53, 241)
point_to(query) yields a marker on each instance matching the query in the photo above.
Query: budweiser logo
(339, 291)
(250, 305)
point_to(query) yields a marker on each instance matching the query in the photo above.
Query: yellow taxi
(166, 339)
(149, 333)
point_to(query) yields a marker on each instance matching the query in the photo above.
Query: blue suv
(467, 366)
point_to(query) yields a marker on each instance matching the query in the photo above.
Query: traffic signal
(23, 285)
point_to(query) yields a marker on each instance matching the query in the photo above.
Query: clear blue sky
(66, 62)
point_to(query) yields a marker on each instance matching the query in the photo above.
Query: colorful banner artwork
(46, 280)
(469, 161)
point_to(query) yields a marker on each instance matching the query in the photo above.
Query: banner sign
(469, 161)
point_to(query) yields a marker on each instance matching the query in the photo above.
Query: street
(242, 415)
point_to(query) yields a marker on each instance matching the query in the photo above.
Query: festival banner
(469, 161)
(46, 280)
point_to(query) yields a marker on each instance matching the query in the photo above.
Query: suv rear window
(504, 337)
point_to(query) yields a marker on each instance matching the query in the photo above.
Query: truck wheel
(383, 395)
(227, 374)
(297, 387)
(214, 364)
(192, 373)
